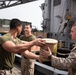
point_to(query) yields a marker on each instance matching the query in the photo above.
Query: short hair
(14, 23)
(74, 24)
(28, 23)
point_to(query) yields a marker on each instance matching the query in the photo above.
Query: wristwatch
(49, 57)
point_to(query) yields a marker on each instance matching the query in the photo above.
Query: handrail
(47, 70)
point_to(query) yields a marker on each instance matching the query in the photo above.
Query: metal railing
(45, 69)
(9, 3)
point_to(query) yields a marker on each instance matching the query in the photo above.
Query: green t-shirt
(30, 38)
(7, 58)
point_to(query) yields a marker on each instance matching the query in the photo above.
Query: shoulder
(74, 49)
(4, 38)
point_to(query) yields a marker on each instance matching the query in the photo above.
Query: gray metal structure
(9, 3)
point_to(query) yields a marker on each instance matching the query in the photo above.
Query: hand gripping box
(52, 44)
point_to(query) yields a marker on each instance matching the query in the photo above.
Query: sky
(30, 12)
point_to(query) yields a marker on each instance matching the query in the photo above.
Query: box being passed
(52, 44)
(35, 48)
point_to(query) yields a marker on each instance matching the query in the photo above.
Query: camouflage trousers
(5, 72)
(27, 66)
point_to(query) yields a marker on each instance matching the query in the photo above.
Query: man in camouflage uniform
(28, 57)
(68, 63)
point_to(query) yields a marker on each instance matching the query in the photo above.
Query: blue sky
(30, 12)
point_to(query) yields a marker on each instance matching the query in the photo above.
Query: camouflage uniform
(5, 72)
(68, 63)
(27, 64)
